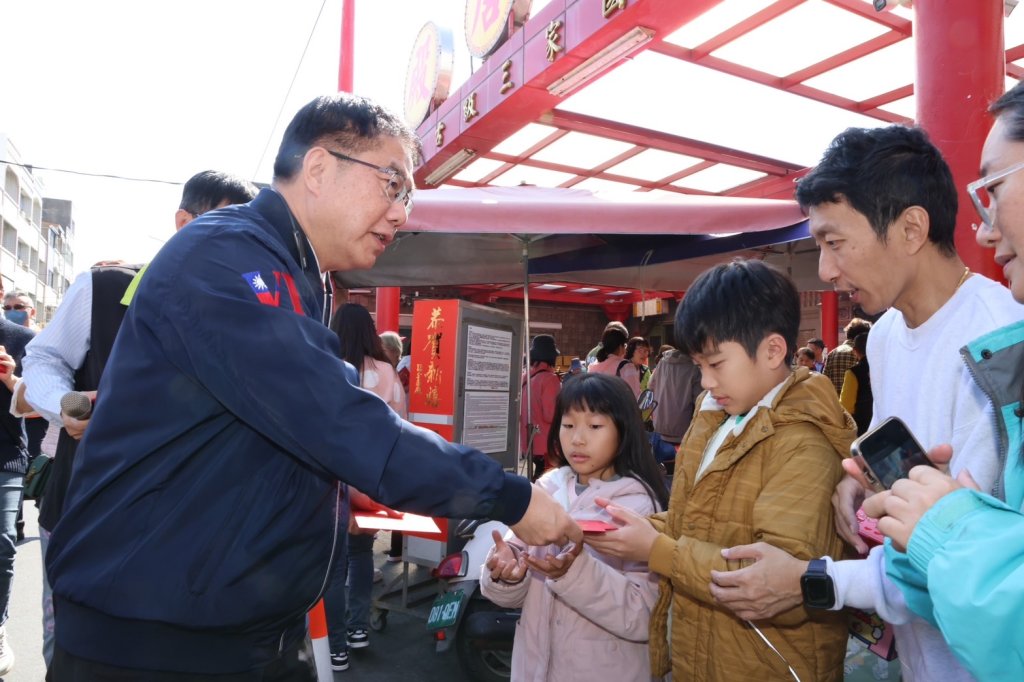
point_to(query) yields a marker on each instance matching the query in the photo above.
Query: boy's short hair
(881, 172)
(743, 301)
(806, 352)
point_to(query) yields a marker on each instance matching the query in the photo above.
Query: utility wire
(33, 167)
(289, 92)
(263, 155)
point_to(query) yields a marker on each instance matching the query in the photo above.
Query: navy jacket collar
(286, 228)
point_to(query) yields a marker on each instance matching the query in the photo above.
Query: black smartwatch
(816, 584)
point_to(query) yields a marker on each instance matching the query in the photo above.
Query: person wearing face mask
(20, 309)
(14, 461)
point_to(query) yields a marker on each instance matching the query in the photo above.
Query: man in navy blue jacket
(199, 525)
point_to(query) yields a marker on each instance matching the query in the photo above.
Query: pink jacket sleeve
(619, 601)
(504, 594)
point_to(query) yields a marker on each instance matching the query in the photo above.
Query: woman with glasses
(969, 546)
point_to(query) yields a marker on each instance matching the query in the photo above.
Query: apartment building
(36, 237)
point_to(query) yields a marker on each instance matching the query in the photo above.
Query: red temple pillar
(960, 71)
(388, 298)
(388, 303)
(346, 58)
(830, 318)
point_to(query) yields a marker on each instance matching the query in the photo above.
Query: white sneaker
(6, 654)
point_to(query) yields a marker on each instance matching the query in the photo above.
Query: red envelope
(595, 526)
(868, 530)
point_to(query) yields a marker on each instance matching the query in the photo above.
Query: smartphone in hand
(887, 453)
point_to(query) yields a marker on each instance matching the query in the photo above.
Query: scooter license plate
(445, 610)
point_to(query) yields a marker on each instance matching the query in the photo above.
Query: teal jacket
(964, 566)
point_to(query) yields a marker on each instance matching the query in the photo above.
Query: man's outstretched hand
(546, 523)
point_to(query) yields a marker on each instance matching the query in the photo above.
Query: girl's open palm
(504, 562)
(555, 566)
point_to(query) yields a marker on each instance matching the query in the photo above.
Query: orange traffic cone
(317, 620)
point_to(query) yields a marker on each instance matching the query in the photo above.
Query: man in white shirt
(882, 208)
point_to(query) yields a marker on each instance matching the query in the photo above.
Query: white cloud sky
(164, 90)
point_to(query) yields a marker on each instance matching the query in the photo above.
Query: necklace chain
(963, 277)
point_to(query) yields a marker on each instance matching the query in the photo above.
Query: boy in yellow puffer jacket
(758, 463)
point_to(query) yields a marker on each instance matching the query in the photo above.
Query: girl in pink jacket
(585, 615)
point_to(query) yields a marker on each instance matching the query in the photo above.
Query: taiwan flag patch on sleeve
(268, 291)
(262, 291)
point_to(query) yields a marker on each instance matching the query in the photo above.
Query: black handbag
(38, 471)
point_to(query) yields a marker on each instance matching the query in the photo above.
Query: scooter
(480, 631)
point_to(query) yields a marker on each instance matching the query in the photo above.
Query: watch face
(818, 591)
(815, 590)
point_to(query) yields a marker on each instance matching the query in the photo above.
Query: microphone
(76, 405)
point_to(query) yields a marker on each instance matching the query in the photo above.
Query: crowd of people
(693, 514)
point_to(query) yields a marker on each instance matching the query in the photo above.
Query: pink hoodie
(590, 624)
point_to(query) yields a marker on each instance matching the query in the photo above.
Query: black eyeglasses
(396, 189)
(17, 306)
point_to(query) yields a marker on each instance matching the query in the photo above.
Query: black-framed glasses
(17, 306)
(974, 190)
(396, 190)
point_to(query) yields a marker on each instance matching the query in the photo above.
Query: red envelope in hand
(595, 526)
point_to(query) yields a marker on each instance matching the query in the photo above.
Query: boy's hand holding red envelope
(633, 539)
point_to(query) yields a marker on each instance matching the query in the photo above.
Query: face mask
(19, 317)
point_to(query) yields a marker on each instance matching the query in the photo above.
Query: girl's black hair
(611, 396)
(611, 340)
(358, 335)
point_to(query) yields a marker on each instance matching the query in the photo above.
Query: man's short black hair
(881, 172)
(208, 189)
(820, 343)
(743, 301)
(349, 122)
